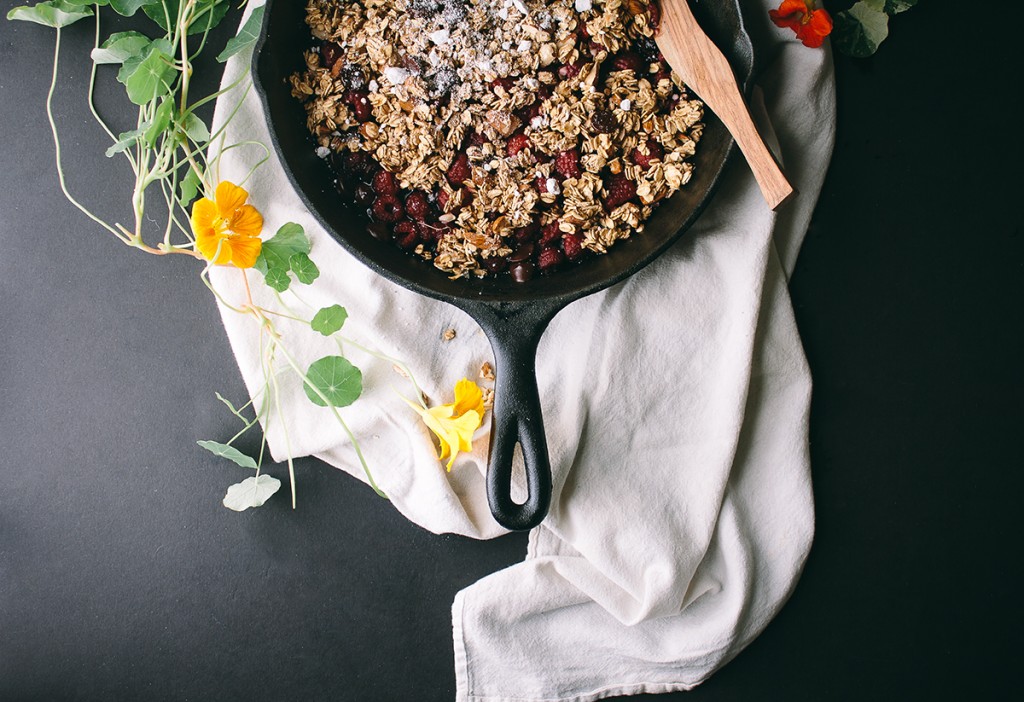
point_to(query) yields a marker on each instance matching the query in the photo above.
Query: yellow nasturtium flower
(455, 423)
(226, 229)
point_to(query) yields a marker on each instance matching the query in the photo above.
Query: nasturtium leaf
(161, 120)
(225, 400)
(207, 13)
(894, 7)
(329, 320)
(251, 492)
(126, 140)
(289, 240)
(228, 452)
(127, 8)
(149, 78)
(860, 30)
(277, 278)
(246, 36)
(196, 129)
(120, 46)
(303, 267)
(55, 13)
(188, 188)
(339, 381)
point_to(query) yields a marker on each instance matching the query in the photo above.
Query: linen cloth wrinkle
(675, 405)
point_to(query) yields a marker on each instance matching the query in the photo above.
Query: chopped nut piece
(486, 371)
(448, 334)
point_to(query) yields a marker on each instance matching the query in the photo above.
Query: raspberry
(654, 14)
(387, 208)
(459, 171)
(432, 231)
(527, 233)
(416, 205)
(619, 190)
(596, 47)
(475, 138)
(664, 73)
(517, 143)
(568, 163)
(504, 83)
(352, 77)
(384, 183)
(550, 258)
(648, 49)
(526, 114)
(655, 152)
(406, 234)
(569, 70)
(572, 244)
(604, 122)
(627, 61)
(550, 233)
(363, 110)
(357, 164)
(361, 107)
(330, 53)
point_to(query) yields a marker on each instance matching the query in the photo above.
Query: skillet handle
(514, 330)
(516, 417)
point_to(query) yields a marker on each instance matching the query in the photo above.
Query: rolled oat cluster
(498, 135)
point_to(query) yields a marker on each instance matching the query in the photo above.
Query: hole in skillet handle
(514, 330)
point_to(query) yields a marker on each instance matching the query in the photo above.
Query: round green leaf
(337, 379)
(54, 13)
(303, 267)
(329, 320)
(251, 492)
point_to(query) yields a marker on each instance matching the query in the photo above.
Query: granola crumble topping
(552, 127)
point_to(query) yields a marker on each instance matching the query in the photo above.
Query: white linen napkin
(675, 405)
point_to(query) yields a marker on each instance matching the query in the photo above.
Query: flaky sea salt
(625, 105)
(396, 75)
(373, 86)
(518, 4)
(524, 46)
(552, 186)
(583, 5)
(439, 37)
(323, 151)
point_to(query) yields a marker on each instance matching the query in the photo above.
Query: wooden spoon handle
(703, 68)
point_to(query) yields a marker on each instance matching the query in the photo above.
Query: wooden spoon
(700, 64)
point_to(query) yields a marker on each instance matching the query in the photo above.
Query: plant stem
(334, 410)
(56, 147)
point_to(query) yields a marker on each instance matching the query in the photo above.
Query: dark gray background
(123, 578)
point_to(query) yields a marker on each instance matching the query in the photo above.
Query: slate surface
(122, 577)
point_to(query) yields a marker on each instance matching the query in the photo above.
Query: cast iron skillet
(513, 315)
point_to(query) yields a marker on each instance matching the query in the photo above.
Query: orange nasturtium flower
(455, 423)
(811, 26)
(226, 229)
